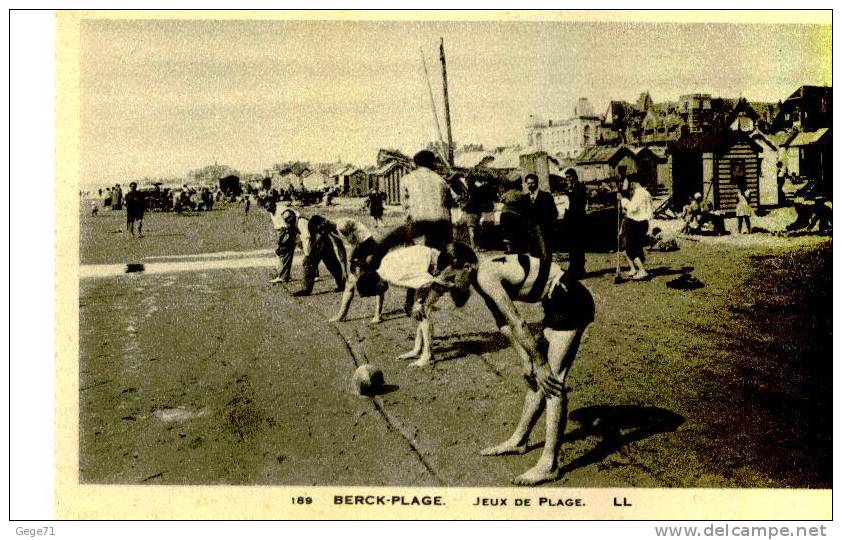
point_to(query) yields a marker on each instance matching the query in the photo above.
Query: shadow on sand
(615, 426)
(456, 346)
(383, 390)
(471, 343)
(658, 271)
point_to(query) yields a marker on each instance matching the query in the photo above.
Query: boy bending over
(360, 245)
(568, 310)
(431, 273)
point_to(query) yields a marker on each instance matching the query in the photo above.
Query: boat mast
(432, 100)
(446, 106)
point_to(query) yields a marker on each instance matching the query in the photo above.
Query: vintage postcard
(444, 265)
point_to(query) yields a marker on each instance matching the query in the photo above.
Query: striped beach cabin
(715, 165)
(387, 178)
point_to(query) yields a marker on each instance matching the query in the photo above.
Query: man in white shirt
(426, 198)
(638, 211)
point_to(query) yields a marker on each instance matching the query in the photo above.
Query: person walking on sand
(374, 201)
(135, 208)
(117, 197)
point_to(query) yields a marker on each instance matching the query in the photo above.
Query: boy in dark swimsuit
(568, 310)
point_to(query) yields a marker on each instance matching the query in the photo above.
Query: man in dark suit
(575, 227)
(542, 213)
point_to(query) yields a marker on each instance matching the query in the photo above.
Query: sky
(159, 98)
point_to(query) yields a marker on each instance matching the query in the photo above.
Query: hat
(697, 195)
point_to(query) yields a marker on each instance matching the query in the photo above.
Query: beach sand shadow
(616, 426)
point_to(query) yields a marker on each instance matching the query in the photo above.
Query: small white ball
(367, 380)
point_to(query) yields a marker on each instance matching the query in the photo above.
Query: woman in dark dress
(375, 206)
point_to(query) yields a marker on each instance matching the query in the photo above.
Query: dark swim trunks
(360, 257)
(570, 306)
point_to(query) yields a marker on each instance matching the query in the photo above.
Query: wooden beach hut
(715, 165)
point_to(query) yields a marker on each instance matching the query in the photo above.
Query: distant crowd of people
(111, 197)
(196, 199)
(268, 195)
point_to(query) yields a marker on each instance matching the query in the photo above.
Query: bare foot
(407, 355)
(538, 474)
(335, 319)
(503, 449)
(423, 361)
(376, 320)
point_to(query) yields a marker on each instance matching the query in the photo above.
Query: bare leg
(416, 350)
(533, 406)
(641, 270)
(562, 351)
(526, 363)
(345, 303)
(425, 328)
(378, 309)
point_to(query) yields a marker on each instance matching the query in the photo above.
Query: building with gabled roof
(809, 108)
(351, 180)
(715, 164)
(385, 155)
(604, 162)
(653, 166)
(387, 178)
(469, 160)
(811, 154)
(315, 180)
